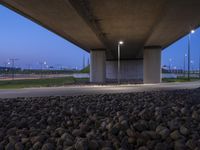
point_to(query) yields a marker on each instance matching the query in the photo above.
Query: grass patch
(15, 84)
(85, 70)
(81, 80)
(179, 79)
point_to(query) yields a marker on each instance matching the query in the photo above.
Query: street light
(184, 64)
(175, 69)
(189, 47)
(199, 66)
(170, 60)
(118, 74)
(8, 67)
(13, 60)
(5, 68)
(41, 65)
(192, 31)
(192, 62)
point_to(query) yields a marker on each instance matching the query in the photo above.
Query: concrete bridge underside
(146, 27)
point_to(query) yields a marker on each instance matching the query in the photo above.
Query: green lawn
(85, 70)
(178, 79)
(15, 84)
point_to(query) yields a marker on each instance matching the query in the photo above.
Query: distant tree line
(9, 70)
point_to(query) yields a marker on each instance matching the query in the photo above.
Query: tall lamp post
(189, 47)
(5, 68)
(199, 67)
(170, 61)
(184, 64)
(192, 68)
(13, 60)
(41, 65)
(119, 73)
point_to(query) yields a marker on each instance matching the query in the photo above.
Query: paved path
(94, 89)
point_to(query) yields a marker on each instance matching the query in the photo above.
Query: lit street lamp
(175, 69)
(6, 68)
(41, 65)
(118, 74)
(13, 60)
(193, 31)
(192, 62)
(184, 64)
(189, 47)
(170, 60)
(199, 66)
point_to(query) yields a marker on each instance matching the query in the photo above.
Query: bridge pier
(152, 64)
(97, 66)
(130, 70)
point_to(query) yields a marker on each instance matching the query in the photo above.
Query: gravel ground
(146, 120)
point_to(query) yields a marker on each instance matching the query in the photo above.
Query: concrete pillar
(97, 66)
(131, 69)
(152, 65)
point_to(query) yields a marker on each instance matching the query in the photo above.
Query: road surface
(94, 89)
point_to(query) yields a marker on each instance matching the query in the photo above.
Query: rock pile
(144, 121)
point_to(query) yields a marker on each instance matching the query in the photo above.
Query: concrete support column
(97, 66)
(130, 69)
(152, 65)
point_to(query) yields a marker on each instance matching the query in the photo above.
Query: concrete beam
(152, 64)
(97, 66)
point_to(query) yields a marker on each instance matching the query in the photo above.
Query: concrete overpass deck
(94, 24)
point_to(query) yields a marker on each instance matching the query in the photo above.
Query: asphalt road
(94, 89)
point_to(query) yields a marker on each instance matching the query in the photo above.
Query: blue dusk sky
(31, 44)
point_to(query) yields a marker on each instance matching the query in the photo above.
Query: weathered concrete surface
(130, 69)
(100, 24)
(97, 66)
(152, 65)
